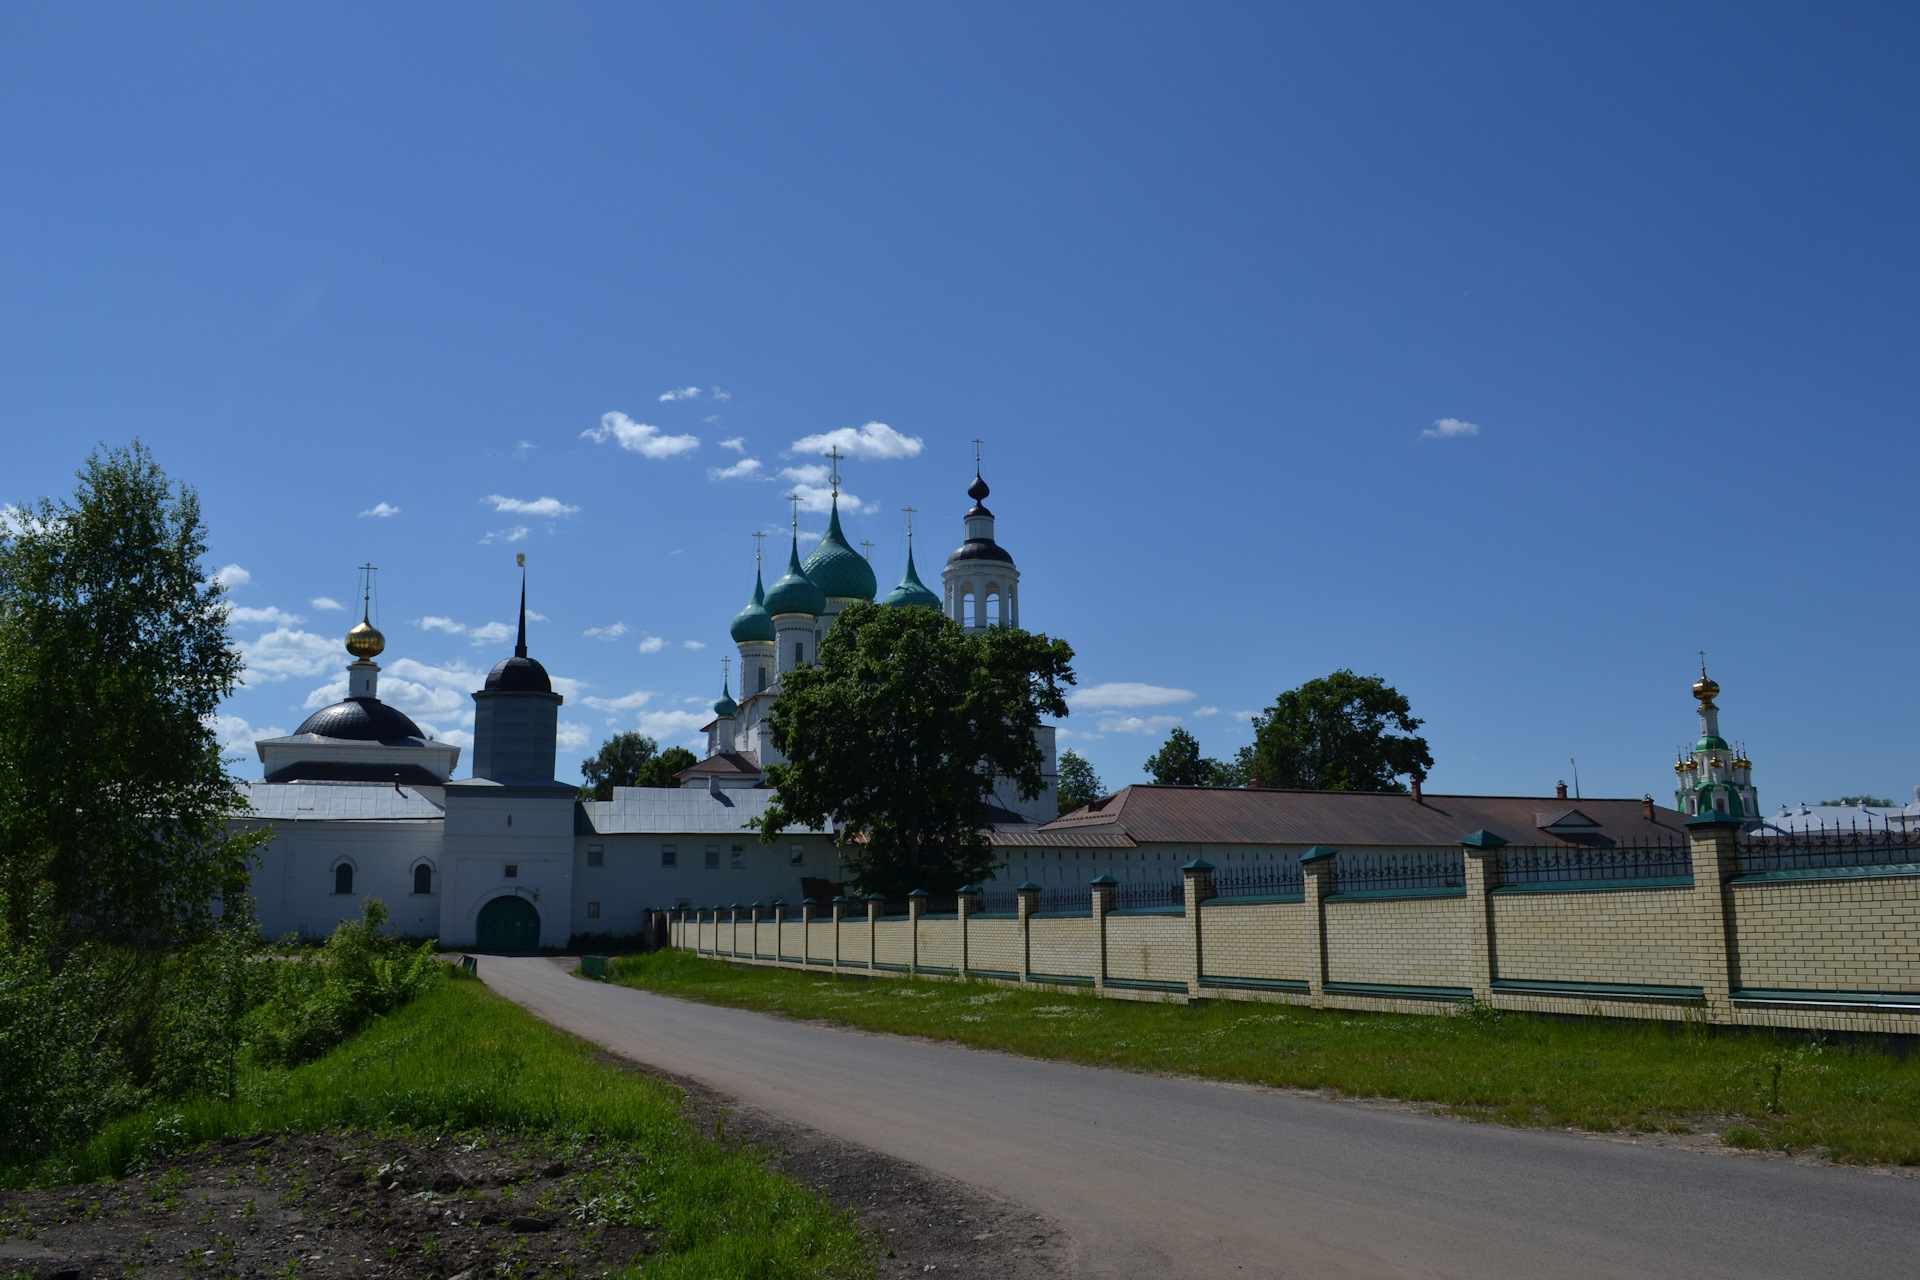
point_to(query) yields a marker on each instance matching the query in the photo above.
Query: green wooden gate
(509, 924)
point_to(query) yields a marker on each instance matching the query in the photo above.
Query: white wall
(631, 878)
(491, 832)
(293, 885)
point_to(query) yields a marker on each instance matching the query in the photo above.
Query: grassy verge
(1754, 1090)
(461, 1059)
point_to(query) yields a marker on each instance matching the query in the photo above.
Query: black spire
(520, 648)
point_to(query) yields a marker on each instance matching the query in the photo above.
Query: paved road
(1157, 1177)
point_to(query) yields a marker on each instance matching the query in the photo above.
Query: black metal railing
(893, 908)
(947, 906)
(1564, 864)
(1157, 893)
(1066, 898)
(999, 902)
(1826, 850)
(1260, 880)
(1381, 872)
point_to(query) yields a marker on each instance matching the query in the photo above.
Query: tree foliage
(114, 658)
(1178, 763)
(1079, 784)
(1331, 734)
(632, 760)
(898, 734)
(1864, 802)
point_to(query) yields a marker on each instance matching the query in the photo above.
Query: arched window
(799, 652)
(763, 680)
(343, 878)
(423, 879)
(967, 610)
(993, 618)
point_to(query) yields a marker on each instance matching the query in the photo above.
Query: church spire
(520, 646)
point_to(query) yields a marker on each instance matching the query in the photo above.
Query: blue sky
(1204, 278)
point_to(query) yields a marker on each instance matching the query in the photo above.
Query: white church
(363, 804)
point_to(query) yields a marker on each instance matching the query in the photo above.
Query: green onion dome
(726, 706)
(911, 590)
(754, 622)
(836, 568)
(795, 592)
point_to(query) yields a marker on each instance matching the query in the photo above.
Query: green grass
(1756, 1090)
(462, 1059)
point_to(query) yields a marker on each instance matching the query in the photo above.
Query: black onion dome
(978, 490)
(980, 549)
(363, 720)
(519, 674)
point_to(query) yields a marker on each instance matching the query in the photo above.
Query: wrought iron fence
(1000, 902)
(1158, 893)
(1566, 864)
(891, 907)
(1819, 850)
(1263, 880)
(947, 906)
(1421, 869)
(1066, 898)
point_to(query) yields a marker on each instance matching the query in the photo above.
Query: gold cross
(1703, 664)
(833, 476)
(976, 454)
(869, 547)
(756, 548)
(726, 670)
(909, 511)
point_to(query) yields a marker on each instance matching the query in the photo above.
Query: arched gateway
(508, 924)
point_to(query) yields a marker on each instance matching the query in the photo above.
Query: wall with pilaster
(940, 942)
(1147, 948)
(1063, 946)
(893, 941)
(1420, 942)
(1268, 940)
(1623, 935)
(993, 944)
(1830, 933)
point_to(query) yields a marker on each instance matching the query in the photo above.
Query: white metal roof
(338, 802)
(648, 810)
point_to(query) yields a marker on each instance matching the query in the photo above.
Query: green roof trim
(1103, 880)
(837, 569)
(1319, 853)
(1198, 864)
(1713, 820)
(1482, 839)
(911, 590)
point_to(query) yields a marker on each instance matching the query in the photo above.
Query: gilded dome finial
(365, 642)
(1704, 688)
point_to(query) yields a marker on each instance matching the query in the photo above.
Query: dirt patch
(297, 1205)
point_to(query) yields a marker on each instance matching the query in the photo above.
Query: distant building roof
(1352, 819)
(686, 810)
(339, 802)
(1795, 819)
(722, 764)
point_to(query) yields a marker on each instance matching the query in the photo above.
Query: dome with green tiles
(754, 623)
(726, 706)
(837, 569)
(911, 590)
(795, 592)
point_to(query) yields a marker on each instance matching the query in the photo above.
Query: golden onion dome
(1681, 766)
(1705, 689)
(365, 641)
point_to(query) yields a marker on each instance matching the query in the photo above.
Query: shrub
(315, 1001)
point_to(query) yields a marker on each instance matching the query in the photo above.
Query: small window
(513, 871)
(739, 855)
(763, 679)
(796, 854)
(669, 855)
(596, 855)
(593, 911)
(799, 653)
(713, 856)
(343, 878)
(423, 879)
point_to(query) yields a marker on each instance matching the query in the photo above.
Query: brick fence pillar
(733, 931)
(1027, 901)
(1715, 837)
(965, 901)
(753, 947)
(839, 914)
(1103, 887)
(1483, 872)
(1198, 888)
(1316, 869)
(916, 907)
(808, 908)
(875, 901)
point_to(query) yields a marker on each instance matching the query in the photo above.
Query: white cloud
(811, 473)
(233, 577)
(278, 617)
(1450, 428)
(1207, 711)
(664, 726)
(1243, 715)
(651, 644)
(821, 500)
(515, 534)
(873, 442)
(325, 602)
(1064, 732)
(1126, 693)
(547, 508)
(1135, 724)
(490, 633)
(571, 736)
(381, 510)
(485, 633)
(638, 437)
(613, 632)
(738, 444)
(234, 732)
(458, 737)
(431, 623)
(808, 537)
(14, 522)
(568, 689)
(285, 652)
(718, 394)
(625, 702)
(680, 393)
(693, 644)
(744, 469)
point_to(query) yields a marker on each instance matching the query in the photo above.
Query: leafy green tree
(898, 734)
(1331, 734)
(1079, 784)
(114, 658)
(1865, 802)
(1178, 763)
(632, 760)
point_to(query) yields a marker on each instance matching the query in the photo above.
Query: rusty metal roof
(1346, 819)
(1052, 837)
